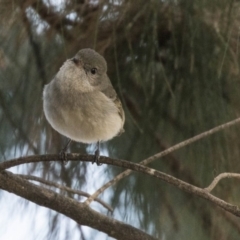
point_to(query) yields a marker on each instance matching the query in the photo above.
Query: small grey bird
(81, 103)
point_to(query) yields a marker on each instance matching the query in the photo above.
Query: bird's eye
(93, 71)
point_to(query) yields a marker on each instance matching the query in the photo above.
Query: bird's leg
(97, 155)
(63, 152)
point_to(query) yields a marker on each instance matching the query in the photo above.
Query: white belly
(87, 122)
(89, 130)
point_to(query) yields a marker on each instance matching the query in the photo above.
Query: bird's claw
(97, 157)
(63, 156)
(63, 153)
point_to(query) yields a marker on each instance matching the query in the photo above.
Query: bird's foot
(63, 153)
(63, 156)
(97, 157)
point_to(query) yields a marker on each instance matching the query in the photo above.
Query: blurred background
(175, 66)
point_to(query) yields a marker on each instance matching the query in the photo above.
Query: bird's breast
(83, 117)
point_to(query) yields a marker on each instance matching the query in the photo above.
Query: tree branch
(68, 189)
(220, 177)
(54, 19)
(133, 166)
(69, 207)
(162, 154)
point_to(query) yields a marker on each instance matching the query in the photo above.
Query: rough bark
(79, 212)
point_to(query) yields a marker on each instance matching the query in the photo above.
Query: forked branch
(162, 154)
(220, 177)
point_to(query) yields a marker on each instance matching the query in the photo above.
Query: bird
(81, 103)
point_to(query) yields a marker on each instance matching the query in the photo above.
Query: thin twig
(161, 154)
(70, 190)
(220, 177)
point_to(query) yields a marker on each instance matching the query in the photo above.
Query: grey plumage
(81, 103)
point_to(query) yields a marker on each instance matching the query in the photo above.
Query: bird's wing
(109, 92)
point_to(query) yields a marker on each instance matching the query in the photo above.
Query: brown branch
(220, 177)
(133, 166)
(79, 212)
(44, 158)
(68, 189)
(54, 19)
(162, 154)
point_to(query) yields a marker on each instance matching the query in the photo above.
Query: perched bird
(81, 103)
